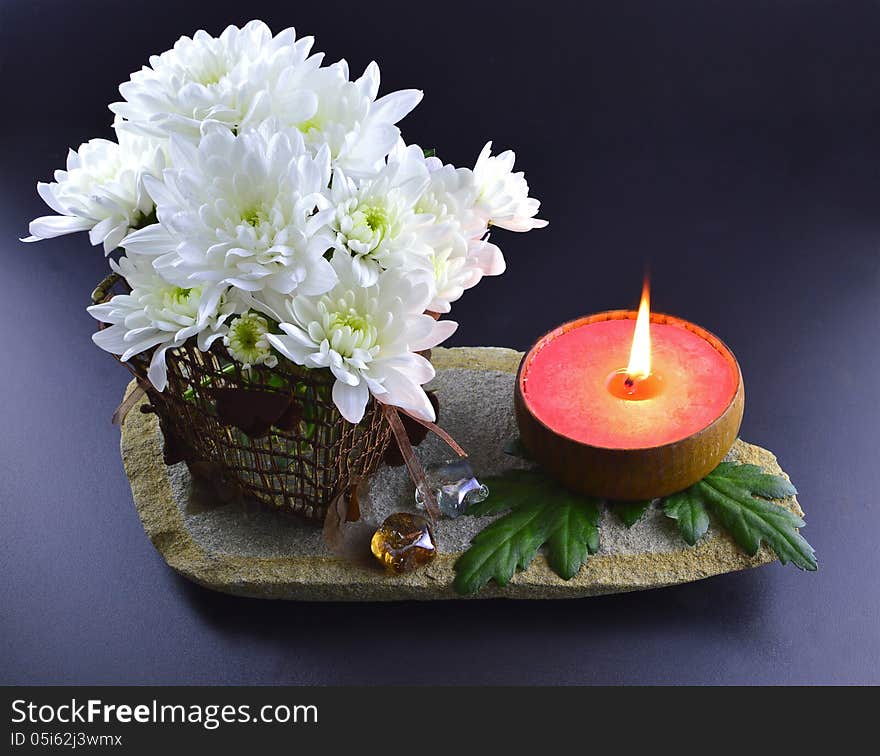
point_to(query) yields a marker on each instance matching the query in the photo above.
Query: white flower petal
(158, 190)
(441, 331)
(114, 237)
(100, 230)
(342, 374)
(290, 348)
(487, 256)
(414, 366)
(368, 83)
(142, 345)
(47, 194)
(157, 373)
(111, 339)
(151, 240)
(404, 392)
(351, 401)
(50, 226)
(103, 313)
(321, 278)
(392, 107)
(518, 224)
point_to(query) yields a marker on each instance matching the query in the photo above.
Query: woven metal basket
(297, 468)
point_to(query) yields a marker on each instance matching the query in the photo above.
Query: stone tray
(251, 551)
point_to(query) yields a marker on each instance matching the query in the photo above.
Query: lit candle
(629, 405)
(636, 381)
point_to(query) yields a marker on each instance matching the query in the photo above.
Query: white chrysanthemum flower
(157, 314)
(246, 341)
(368, 337)
(244, 211)
(451, 276)
(456, 269)
(503, 196)
(375, 220)
(359, 129)
(246, 76)
(214, 79)
(102, 191)
(456, 233)
(449, 200)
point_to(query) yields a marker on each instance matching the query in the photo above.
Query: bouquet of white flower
(265, 200)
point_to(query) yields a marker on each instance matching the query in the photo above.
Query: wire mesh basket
(271, 434)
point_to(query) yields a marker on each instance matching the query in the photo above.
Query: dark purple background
(733, 145)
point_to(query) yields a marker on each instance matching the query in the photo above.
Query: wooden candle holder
(629, 474)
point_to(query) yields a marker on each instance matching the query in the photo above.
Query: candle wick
(629, 382)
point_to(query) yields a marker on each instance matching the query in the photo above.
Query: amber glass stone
(404, 542)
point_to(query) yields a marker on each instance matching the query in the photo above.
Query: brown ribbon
(125, 406)
(437, 431)
(413, 466)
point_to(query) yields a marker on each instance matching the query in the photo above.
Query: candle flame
(640, 356)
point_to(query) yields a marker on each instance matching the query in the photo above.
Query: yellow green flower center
(177, 297)
(312, 123)
(254, 217)
(247, 335)
(351, 319)
(375, 218)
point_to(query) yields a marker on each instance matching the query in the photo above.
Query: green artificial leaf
(738, 496)
(542, 513)
(688, 510)
(430, 152)
(573, 536)
(511, 490)
(630, 512)
(755, 480)
(751, 520)
(503, 547)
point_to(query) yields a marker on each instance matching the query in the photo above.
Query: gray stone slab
(249, 550)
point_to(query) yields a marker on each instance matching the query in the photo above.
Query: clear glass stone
(455, 487)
